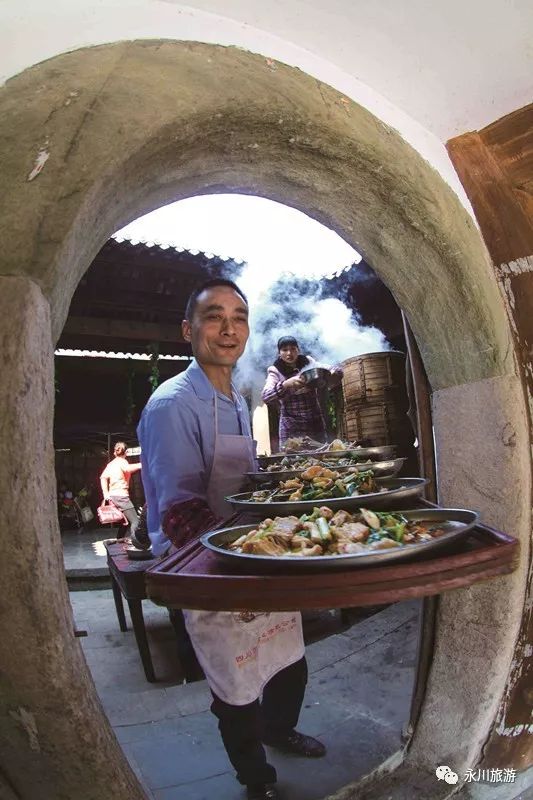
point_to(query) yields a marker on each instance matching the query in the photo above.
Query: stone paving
(357, 701)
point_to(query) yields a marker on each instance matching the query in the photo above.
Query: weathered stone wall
(130, 126)
(54, 740)
(122, 129)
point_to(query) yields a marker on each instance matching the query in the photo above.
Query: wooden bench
(127, 580)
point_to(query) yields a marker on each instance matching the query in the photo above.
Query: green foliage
(155, 375)
(331, 411)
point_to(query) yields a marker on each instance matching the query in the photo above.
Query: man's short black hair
(210, 284)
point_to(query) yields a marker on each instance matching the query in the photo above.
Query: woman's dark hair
(288, 370)
(287, 341)
(119, 449)
(210, 284)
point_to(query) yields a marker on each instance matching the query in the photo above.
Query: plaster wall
(131, 126)
(481, 431)
(428, 70)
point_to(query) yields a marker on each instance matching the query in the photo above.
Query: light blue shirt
(177, 436)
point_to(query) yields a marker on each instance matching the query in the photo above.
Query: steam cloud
(288, 305)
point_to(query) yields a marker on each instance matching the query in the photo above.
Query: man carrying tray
(196, 445)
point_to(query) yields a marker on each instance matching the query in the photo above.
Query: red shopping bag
(110, 514)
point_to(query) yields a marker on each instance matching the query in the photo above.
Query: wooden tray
(195, 578)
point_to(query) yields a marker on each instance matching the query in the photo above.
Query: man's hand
(294, 383)
(187, 520)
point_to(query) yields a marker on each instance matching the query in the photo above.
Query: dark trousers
(141, 532)
(244, 728)
(126, 506)
(186, 655)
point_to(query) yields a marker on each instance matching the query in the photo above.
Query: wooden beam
(495, 167)
(123, 329)
(424, 420)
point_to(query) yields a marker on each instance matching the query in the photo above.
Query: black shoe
(262, 791)
(140, 542)
(298, 744)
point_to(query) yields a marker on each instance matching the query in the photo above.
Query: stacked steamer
(375, 402)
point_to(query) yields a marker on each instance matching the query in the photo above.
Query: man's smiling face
(219, 329)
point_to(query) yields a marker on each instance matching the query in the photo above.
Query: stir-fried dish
(309, 461)
(319, 483)
(292, 464)
(297, 443)
(325, 533)
(339, 444)
(303, 443)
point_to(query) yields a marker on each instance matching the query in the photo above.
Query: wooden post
(424, 422)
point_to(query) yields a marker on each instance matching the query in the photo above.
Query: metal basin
(315, 377)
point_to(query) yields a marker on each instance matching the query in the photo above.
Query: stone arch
(124, 128)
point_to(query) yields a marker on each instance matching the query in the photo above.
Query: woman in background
(300, 410)
(115, 483)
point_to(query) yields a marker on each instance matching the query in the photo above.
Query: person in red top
(115, 483)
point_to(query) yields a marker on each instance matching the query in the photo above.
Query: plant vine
(155, 375)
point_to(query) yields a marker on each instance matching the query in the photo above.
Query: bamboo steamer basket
(380, 424)
(375, 401)
(373, 377)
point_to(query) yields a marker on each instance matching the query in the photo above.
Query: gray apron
(240, 651)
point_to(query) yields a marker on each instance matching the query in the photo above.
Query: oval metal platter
(396, 489)
(383, 451)
(382, 469)
(457, 522)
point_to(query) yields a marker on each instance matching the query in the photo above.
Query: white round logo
(444, 773)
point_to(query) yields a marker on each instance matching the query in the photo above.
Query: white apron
(240, 652)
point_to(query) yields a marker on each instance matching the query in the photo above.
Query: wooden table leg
(119, 605)
(137, 619)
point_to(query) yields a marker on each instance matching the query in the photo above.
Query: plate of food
(329, 539)
(278, 462)
(299, 495)
(297, 444)
(283, 470)
(385, 451)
